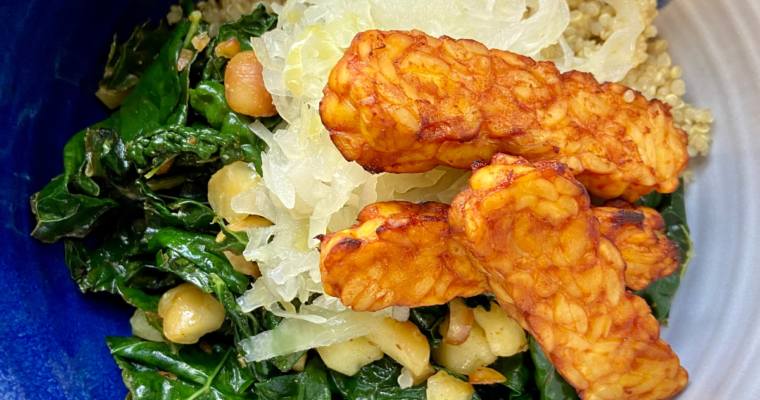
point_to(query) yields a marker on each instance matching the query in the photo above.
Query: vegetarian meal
(417, 199)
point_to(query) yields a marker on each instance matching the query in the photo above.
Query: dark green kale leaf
(125, 263)
(127, 62)
(428, 319)
(173, 262)
(213, 67)
(109, 268)
(249, 25)
(69, 205)
(164, 143)
(285, 363)
(163, 230)
(498, 392)
(233, 241)
(152, 371)
(194, 256)
(483, 300)
(518, 369)
(183, 213)
(100, 158)
(228, 138)
(659, 294)
(61, 213)
(161, 97)
(515, 369)
(245, 324)
(180, 114)
(105, 152)
(551, 384)
(376, 381)
(208, 99)
(156, 96)
(178, 117)
(310, 384)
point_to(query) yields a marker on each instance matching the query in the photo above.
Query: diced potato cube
(486, 376)
(443, 386)
(350, 356)
(505, 336)
(466, 357)
(403, 342)
(461, 319)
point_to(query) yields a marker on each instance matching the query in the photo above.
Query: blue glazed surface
(51, 335)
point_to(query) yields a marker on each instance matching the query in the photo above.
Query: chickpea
(227, 183)
(244, 86)
(189, 313)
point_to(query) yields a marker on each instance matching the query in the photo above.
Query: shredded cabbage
(308, 188)
(296, 334)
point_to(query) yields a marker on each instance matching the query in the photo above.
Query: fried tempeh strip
(399, 254)
(530, 227)
(370, 282)
(406, 102)
(639, 234)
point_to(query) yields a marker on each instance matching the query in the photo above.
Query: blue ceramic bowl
(51, 336)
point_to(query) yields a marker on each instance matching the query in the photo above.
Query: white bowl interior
(714, 324)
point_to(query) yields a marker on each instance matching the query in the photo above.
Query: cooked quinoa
(654, 75)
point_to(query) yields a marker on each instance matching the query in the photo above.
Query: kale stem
(211, 377)
(195, 19)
